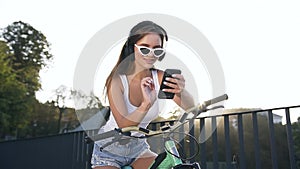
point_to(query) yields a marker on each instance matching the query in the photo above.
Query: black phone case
(167, 95)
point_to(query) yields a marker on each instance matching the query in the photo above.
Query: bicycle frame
(170, 158)
(167, 160)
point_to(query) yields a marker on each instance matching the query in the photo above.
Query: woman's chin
(149, 66)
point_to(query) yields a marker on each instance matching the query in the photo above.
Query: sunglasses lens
(158, 52)
(145, 51)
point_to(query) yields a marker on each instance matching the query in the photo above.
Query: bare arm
(182, 97)
(119, 108)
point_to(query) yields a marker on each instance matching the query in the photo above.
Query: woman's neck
(141, 74)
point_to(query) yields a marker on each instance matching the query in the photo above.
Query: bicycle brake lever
(117, 139)
(88, 140)
(106, 144)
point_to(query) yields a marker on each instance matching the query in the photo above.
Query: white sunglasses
(145, 51)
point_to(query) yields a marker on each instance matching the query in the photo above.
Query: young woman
(132, 89)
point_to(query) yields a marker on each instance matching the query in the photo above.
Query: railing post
(227, 142)
(202, 144)
(182, 137)
(241, 156)
(290, 139)
(192, 132)
(272, 140)
(215, 142)
(256, 141)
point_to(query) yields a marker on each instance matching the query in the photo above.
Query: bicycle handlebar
(205, 104)
(216, 100)
(101, 136)
(126, 130)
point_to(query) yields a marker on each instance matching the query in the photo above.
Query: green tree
(86, 106)
(25, 54)
(12, 92)
(29, 51)
(46, 116)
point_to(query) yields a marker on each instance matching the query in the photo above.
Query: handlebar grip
(102, 136)
(216, 100)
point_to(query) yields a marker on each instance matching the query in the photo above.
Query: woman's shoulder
(117, 82)
(116, 78)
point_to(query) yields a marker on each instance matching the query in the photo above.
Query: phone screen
(167, 73)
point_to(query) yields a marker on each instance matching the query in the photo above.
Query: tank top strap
(155, 78)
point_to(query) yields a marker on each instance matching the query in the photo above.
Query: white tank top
(151, 114)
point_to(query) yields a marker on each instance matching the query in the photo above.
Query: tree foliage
(29, 51)
(24, 51)
(12, 93)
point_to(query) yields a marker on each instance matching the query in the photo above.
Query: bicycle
(170, 158)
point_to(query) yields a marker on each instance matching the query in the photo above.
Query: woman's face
(151, 40)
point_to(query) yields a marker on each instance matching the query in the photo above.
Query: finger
(148, 79)
(172, 85)
(148, 82)
(179, 79)
(178, 76)
(175, 79)
(172, 90)
(171, 80)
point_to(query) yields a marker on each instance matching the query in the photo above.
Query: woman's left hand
(176, 82)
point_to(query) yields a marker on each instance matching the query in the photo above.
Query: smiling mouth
(149, 60)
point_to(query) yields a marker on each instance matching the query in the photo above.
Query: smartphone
(167, 73)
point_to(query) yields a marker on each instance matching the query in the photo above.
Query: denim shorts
(118, 154)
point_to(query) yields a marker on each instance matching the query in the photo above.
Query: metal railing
(244, 140)
(251, 139)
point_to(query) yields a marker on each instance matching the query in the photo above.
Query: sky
(257, 41)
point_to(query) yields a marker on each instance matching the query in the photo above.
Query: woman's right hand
(148, 91)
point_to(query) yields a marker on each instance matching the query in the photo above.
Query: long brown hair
(125, 62)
